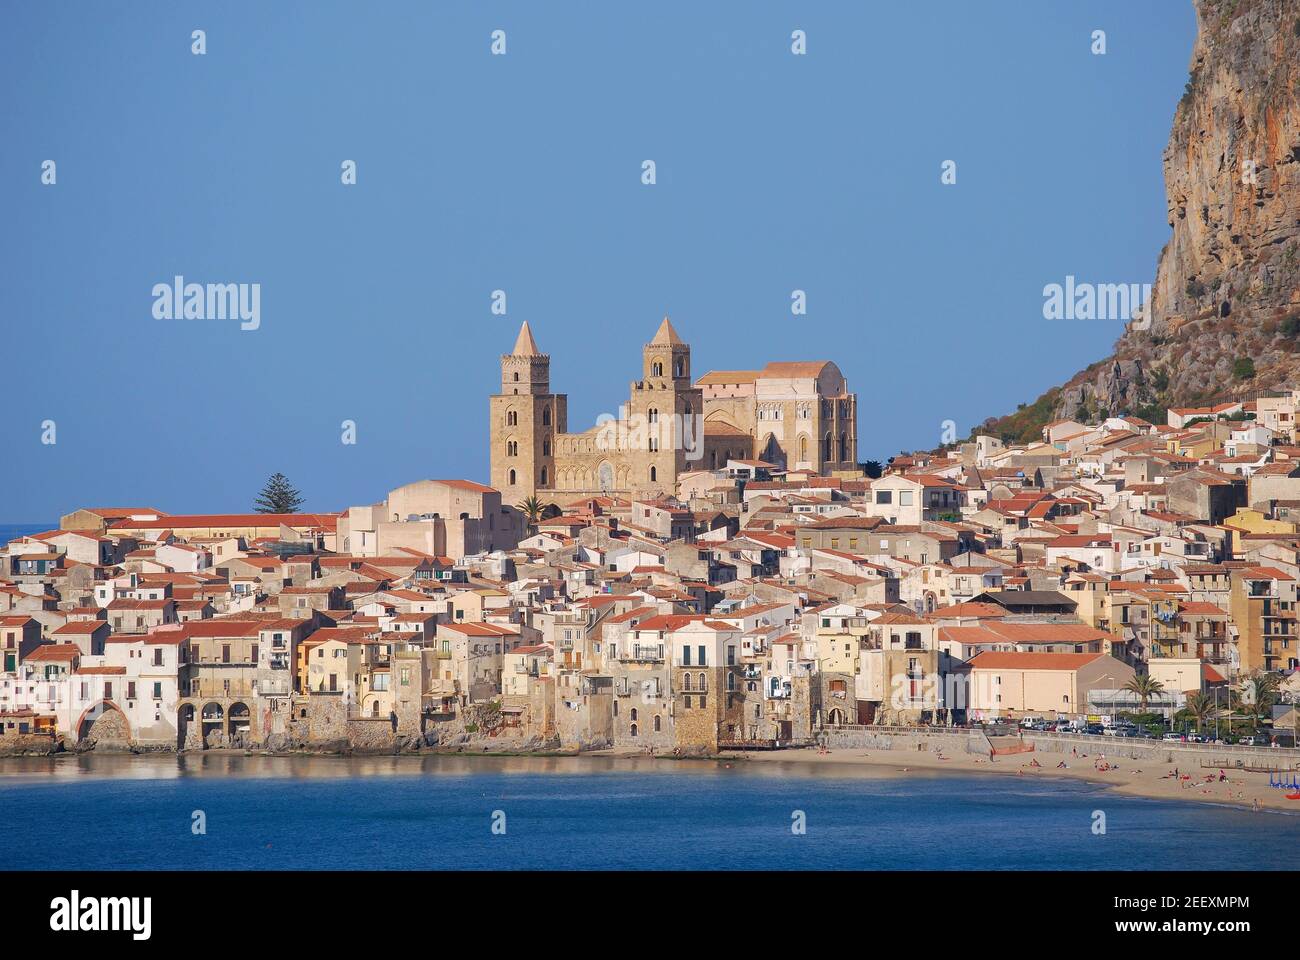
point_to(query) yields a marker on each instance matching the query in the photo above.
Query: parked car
(1174, 737)
(1095, 729)
(1257, 740)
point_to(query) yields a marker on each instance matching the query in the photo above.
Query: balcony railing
(242, 688)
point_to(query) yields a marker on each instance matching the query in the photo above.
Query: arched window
(731, 681)
(652, 415)
(827, 447)
(704, 682)
(653, 475)
(634, 713)
(844, 446)
(803, 448)
(511, 476)
(686, 681)
(546, 416)
(543, 476)
(512, 419)
(656, 369)
(516, 376)
(634, 729)
(657, 723)
(677, 367)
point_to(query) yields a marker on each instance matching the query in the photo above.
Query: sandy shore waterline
(1141, 778)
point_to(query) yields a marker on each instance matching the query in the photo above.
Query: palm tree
(1200, 708)
(532, 510)
(1260, 689)
(1146, 687)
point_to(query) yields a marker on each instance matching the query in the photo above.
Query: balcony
(217, 688)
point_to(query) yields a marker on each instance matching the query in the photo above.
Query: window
(904, 498)
(884, 496)
(703, 659)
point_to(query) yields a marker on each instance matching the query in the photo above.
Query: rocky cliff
(1225, 305)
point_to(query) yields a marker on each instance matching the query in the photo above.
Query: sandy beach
(1135, 777)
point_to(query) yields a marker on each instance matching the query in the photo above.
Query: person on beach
(1062, 766)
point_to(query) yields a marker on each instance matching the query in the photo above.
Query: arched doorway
(836, 717)
(212, 719)
(103, 721)
(184, 720)
(240, 720)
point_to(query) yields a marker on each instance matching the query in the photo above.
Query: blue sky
(522, 172)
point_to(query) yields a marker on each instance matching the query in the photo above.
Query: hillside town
(711, 569)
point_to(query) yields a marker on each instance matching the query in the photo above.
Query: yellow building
(1254, 521)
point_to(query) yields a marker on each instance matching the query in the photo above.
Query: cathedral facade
(798, 416)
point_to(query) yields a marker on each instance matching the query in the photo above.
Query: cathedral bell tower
(663, 400)
(523, 421)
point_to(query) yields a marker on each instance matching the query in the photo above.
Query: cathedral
(795, 415)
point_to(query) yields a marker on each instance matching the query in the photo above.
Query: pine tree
(278, 496)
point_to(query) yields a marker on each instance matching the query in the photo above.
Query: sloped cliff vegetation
(1225, 305)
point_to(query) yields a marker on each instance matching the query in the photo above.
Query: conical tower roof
(525, 345)
(667, 335)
